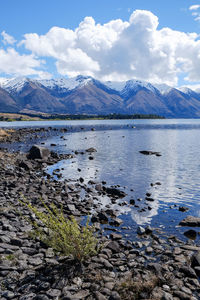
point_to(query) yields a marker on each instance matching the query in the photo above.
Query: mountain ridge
(87, 95)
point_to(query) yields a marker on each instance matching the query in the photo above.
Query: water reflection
(118, 161)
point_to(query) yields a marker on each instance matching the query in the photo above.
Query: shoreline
(29, 270)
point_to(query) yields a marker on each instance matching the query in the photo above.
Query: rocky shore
(153, 267)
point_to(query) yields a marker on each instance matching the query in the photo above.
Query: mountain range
(86, 95)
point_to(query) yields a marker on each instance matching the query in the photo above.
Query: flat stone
(80, 295)
(182, 295)
(100, 296)
(116, 222)
(114, 246)
(8, 246)
(90, 150)
(190, 221)
(115, 236)
(188, 271)
(54, 293)
(8, 295)
(190, 248)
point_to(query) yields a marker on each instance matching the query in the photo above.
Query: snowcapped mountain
(130, 86)
(163, 88)
(66, 84)
(84, 94)
(14, 85)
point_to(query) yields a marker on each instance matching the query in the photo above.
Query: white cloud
(8, 39)
(195, 12)
(194, 87)
(194, 7)
(12, 63)
(117, 50)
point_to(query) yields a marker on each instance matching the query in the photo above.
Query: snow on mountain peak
(66, 84)
(131, 85)
(186, 90)
(115, 85)
(14, 85)
(163, 88)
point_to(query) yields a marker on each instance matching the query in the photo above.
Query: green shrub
(63, 235)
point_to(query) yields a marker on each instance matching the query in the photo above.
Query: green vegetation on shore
(9, 117)
(64, 235)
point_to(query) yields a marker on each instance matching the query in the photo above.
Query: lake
(119, 162)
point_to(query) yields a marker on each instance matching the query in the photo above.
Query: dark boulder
(115, 192)
(191, 234)
(183, 208)
(196, 260)
(38, 152)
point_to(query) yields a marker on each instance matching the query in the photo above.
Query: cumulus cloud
(117, 50)
(12, 63)
(8, 39)
(194, 7)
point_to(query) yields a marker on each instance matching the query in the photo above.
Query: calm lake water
(118, 161)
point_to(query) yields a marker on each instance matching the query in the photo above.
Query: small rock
(90, 150)
(183, 208)
(191, 234)
(140, 230)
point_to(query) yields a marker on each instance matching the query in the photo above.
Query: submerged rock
(191, 234)
(145, 152)
(115, 192)
(183, 208)
(90, 150)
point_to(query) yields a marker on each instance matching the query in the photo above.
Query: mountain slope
(93, 99)
(84, 94)
(182, 105)
(7, 103)
(146, 102)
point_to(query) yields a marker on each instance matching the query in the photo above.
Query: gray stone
(196, 260)
(115, 236)
(167, 296)
(41, 297)
(182, 295)
(8, 295)
(53, 293)
(30, 296)
(140, 230)
(116, 222)
(100, 296)
(190, 221)
(188, 271)
(114, 246)
(38, 152)
(115, 296)
(80, 295)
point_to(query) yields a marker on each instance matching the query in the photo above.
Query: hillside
(86, 95)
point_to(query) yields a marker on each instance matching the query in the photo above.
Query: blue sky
(151, 40)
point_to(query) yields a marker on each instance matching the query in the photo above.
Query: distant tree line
(107, 117)
(113, 116)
